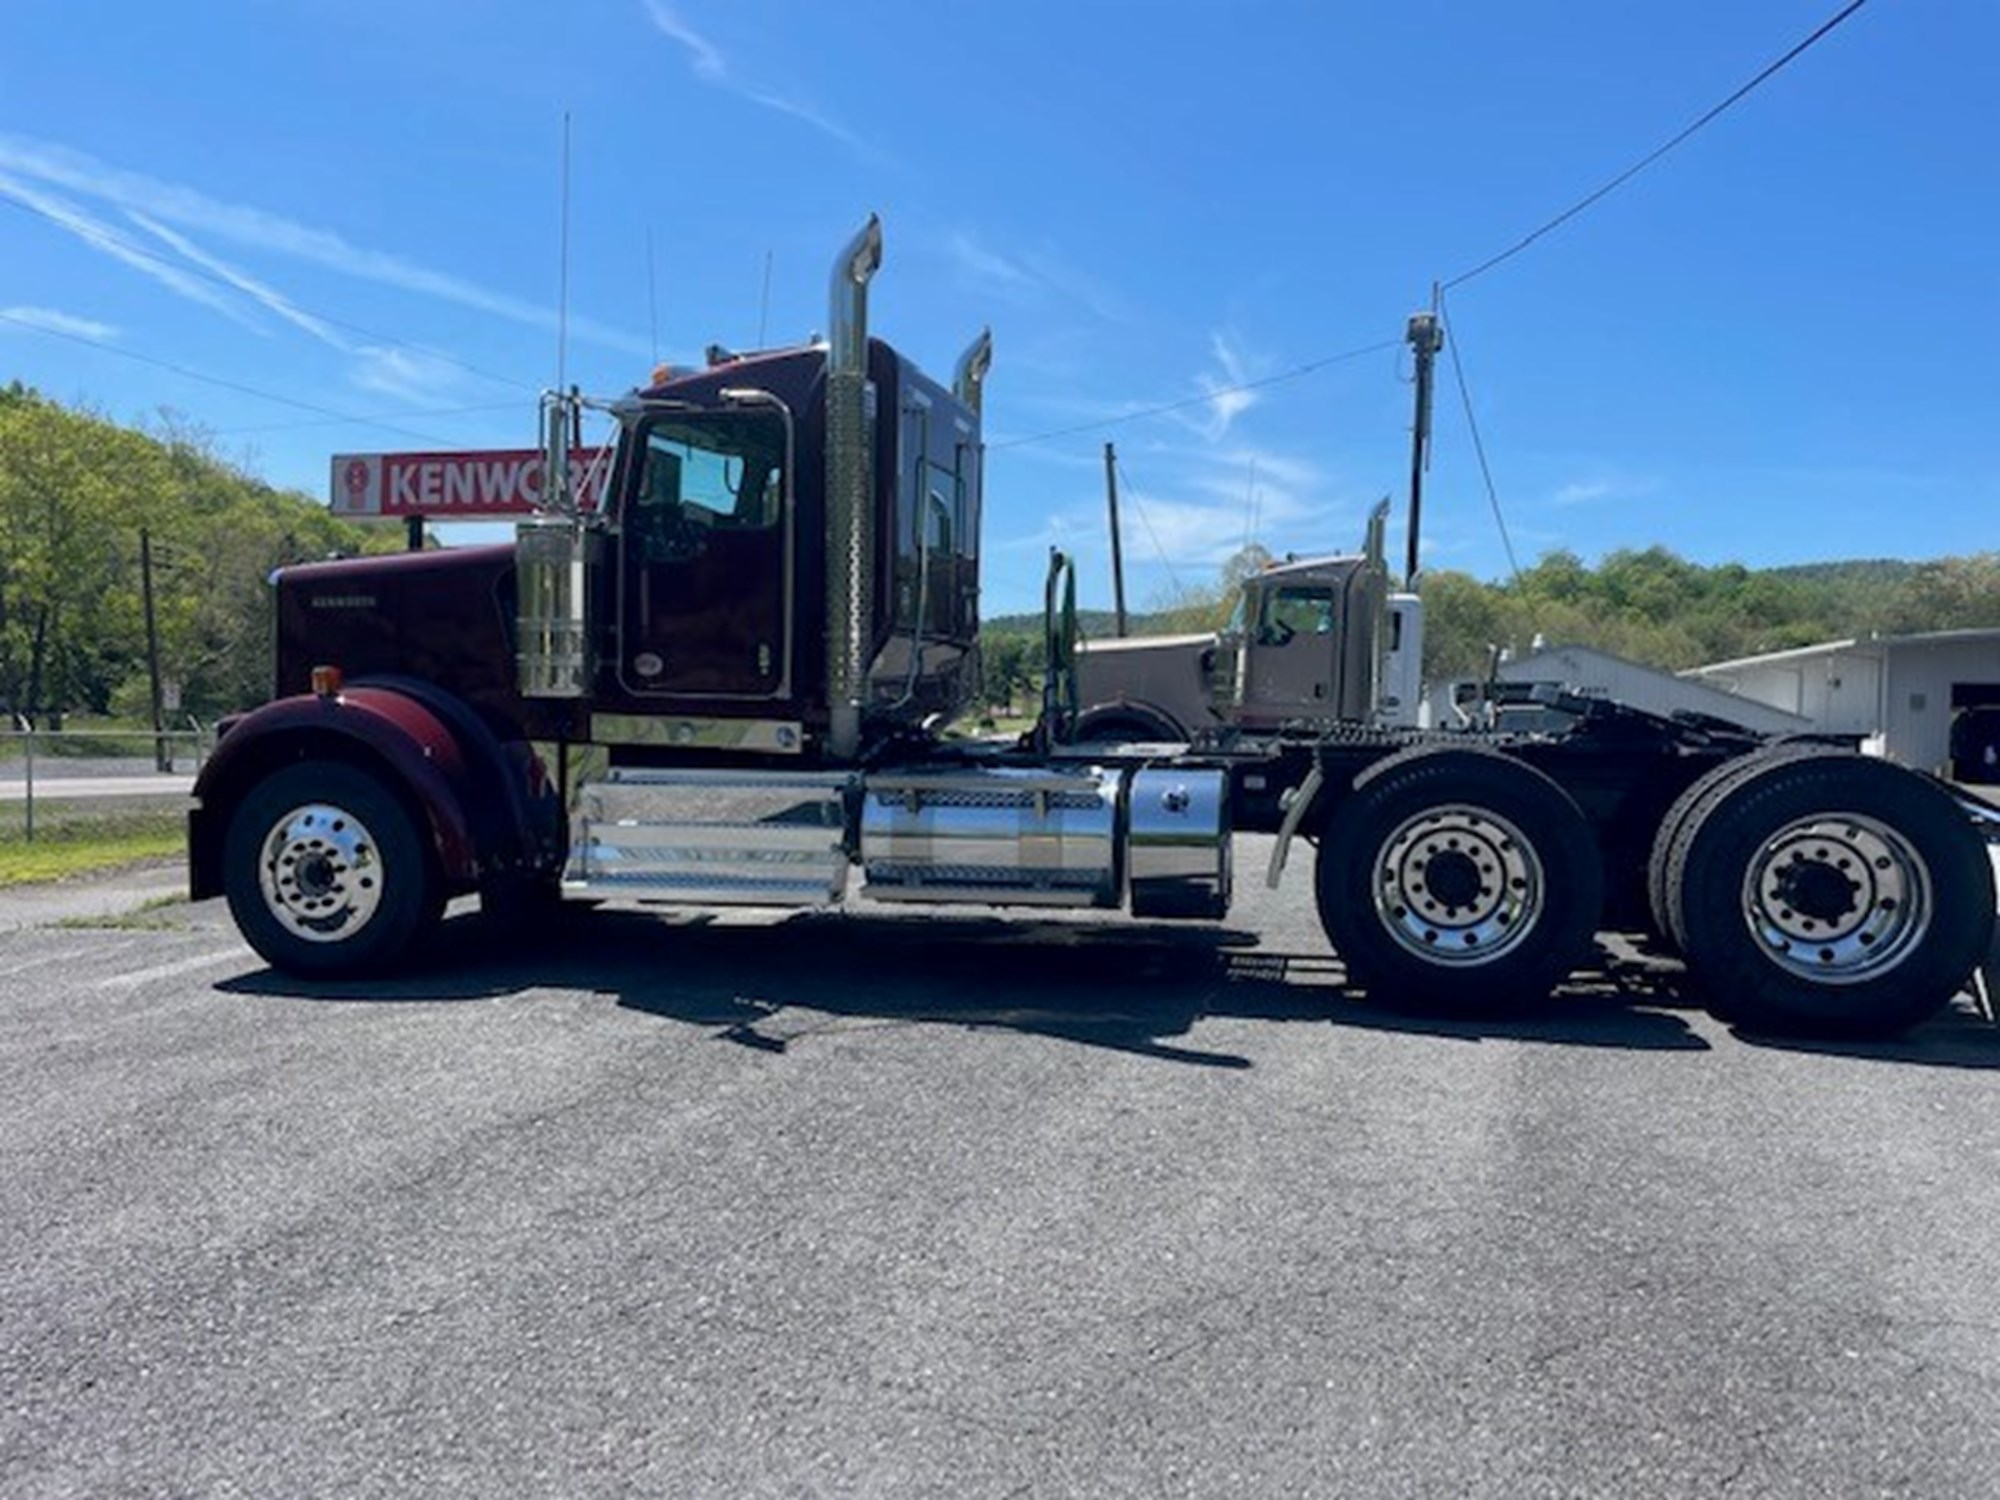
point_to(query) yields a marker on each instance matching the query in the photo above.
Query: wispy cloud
(1034, 276)
(105, 239)
(713, 68)
(705, 57)
(405, 374)
(989, 267)
(1192, 507)
(242, 280)
(1227, 400)
(1603, 487)
(25, 163)
(60, 322)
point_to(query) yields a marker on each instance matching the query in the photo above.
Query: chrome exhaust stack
(968, 381)
(850, 472)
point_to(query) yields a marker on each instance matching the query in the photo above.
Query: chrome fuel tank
(993, 836)
(1178, 843)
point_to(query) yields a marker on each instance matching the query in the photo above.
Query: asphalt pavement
(949, 1204)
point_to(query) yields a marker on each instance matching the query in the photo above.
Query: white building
(1899, 692)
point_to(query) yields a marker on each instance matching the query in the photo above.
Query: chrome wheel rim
(321, 873)
(1458, 886)
(1837, 898)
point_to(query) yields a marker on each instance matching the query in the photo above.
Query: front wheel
(1460, 881)
(325, 872)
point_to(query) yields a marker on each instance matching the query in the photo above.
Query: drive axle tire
(325, 872)
(1830, 893)
(1686, 809)
(1459, 881)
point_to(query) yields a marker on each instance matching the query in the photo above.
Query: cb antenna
(652, 298)
(562, 272)
(764, 303)
(560, 409)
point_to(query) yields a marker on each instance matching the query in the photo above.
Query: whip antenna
(764, 303)
(652, 298)
(562, 273)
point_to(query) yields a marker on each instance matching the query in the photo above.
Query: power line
(1646, 161)
(434, 411)
(195, 268)
(1478, 444)
(214, 380)
(1202, 400)
(1147, 522)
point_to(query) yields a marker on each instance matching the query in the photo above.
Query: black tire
(1830, 894)
(1693, 802)
(326, 874)
(1459, 881)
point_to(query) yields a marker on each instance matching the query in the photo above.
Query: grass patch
(988, 726)
(129, 922)
(81, 839)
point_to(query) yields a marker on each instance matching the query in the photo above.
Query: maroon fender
(376, 727)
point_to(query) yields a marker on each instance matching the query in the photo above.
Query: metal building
(1901, 693)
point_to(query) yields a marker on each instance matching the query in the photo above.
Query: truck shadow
(1127, 987)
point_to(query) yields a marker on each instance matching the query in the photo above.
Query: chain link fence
(97, 763)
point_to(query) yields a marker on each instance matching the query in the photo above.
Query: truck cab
(1310, 642)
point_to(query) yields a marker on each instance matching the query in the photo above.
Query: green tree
(69, 485)
(76, 493)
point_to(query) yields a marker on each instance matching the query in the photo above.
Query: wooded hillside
(76, 492)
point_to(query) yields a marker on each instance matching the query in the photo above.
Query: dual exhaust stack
(552, 553)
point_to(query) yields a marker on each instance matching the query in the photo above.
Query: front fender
(379, 729)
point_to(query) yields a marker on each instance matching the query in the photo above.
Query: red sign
(450, 486)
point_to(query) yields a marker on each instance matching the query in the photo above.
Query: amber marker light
(326, 681)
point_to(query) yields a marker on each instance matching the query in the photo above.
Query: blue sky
(1774, 346)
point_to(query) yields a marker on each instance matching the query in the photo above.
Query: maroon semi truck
(730, 685)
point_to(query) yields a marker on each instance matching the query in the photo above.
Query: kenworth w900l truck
(728, 685)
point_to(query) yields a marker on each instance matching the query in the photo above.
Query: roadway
(943, 1204)
(94, 788)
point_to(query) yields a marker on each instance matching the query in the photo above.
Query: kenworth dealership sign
(451, 486)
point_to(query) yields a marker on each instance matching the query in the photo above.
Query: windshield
(718, 469)
(1294, 610)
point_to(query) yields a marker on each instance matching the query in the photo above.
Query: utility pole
(1117, 547)
(1426, 337)
(160, 760)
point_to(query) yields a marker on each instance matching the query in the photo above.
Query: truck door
(1292, 656)
(704, 566)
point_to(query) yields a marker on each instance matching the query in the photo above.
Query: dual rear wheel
(1809, 889)
(1822, 891)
